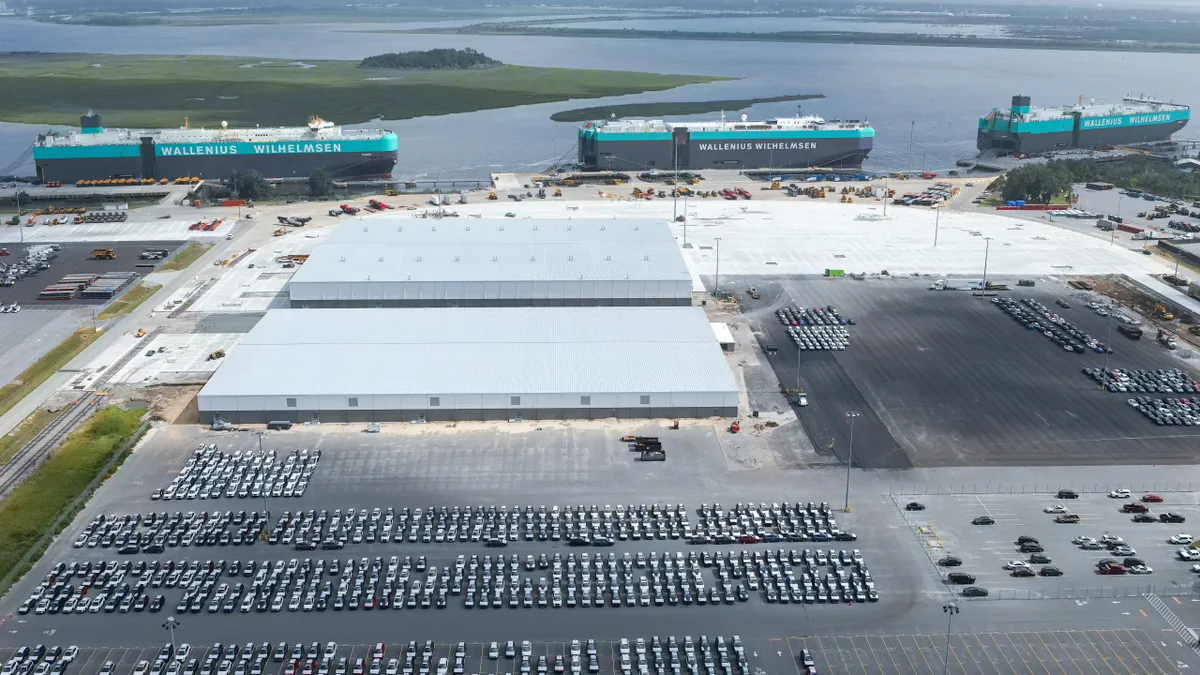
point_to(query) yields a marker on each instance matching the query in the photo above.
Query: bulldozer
(139, 333)
(492, 195)
(557, 192)
(219, 354)
(279, 233)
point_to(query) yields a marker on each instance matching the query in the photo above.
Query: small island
(430, 59)
(665, 108)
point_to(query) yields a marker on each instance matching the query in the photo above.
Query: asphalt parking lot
(947, 379)
(1092, 652)
(945, 529)
(75, 258)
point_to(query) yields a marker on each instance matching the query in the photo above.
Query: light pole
(987, 247)
(171, 624)
(266, 506)
(950, 608)
(912, 130)
(1107, 340)
(675, 188)
(685, 215)
(937, 224)
(717, 281)
(850, 458)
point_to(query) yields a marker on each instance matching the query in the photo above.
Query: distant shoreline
(669, 108)
(812, 37)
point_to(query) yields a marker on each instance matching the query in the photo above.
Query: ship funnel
(90, 123)
(1020, 105)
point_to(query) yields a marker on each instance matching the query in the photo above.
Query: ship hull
(698, 155)
(1081, 138)
(342, 166)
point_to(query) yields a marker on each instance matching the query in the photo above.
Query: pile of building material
(67, 287)
(108, 285)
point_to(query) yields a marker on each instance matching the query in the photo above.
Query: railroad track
(39, 447)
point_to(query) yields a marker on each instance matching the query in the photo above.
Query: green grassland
(158, 91)
(186, 256)
(31, 510)
(665, 108)
(33, 376)
(128, 301)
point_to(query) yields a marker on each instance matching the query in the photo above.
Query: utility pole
(987, 245)
(685, 215)
(937, 223)
(171, 624)
(266, 506)
(911, 132)
(851, 415)
(950, 608)
(675, 189)
(717, 281)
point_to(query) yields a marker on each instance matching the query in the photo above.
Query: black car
(1050, 572)
(1133, 562)
(984, 520)
(1026, 539)
(1068, 494)
(950, 561)
(157, 603)
(960, 578)
(1032, 548)
(974, 592)
(1022, 572)
(1145, 518)
(845, 536)
(914, 506)
(1039, 559)
(1170, 518)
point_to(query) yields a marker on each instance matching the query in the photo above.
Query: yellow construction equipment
(774, 185)
(279, 233)
(390, 192)
(219, 354)
(492, 195)
(557, 192)
(139, 333)
(1160, 312)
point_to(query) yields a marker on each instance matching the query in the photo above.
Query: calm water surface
(943, 90)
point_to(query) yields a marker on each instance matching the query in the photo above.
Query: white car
(1188, 554)
(1196, 568)
(1181, 539)
(1055, 508)
(1083, 539)
(1139, 569)
(1122, 493)
(1014, 564)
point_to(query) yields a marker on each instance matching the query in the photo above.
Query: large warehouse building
(400, 261)
(351, 365)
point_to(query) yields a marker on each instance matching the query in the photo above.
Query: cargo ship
(1027, 130)
(94, 153)
(785, 143)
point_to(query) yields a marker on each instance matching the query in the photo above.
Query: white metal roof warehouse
(348, 365)
(409, 262)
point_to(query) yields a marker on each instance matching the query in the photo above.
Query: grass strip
(33, 376)
(128, 301)
(29, 427)
(157, 90)
(666, 108)
(33, 509)
(186, 256)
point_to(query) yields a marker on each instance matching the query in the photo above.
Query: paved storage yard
(946, 378)
(75, 258)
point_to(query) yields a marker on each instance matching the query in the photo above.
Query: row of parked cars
(156, 531)
(763, 523)
(1182, 411)
(1037, 317)
(94, 587)
(212, 474)
(1138, 380)
(40, 660)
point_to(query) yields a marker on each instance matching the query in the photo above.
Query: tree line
(1041, 183)
(430, 59)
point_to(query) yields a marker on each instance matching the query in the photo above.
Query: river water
(936, 94)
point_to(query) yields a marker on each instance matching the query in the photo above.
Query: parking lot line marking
(983, 650)
(792, 654)
(857, 656)
(1051, 652)
(1103, 637)
(953, 652)
(1034, 652)
(911, 664)
(879, 667)
(824, 654)
(922, 654)
(895, 664)
(1067, 650)
(1140, 643)
(1012, 646)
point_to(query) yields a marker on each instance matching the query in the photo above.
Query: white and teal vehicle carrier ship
(785, 143)
(1024, 128)
(94, 152)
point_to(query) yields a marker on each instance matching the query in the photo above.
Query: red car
(1112, 568)
(749, 539)
(1151, 498)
